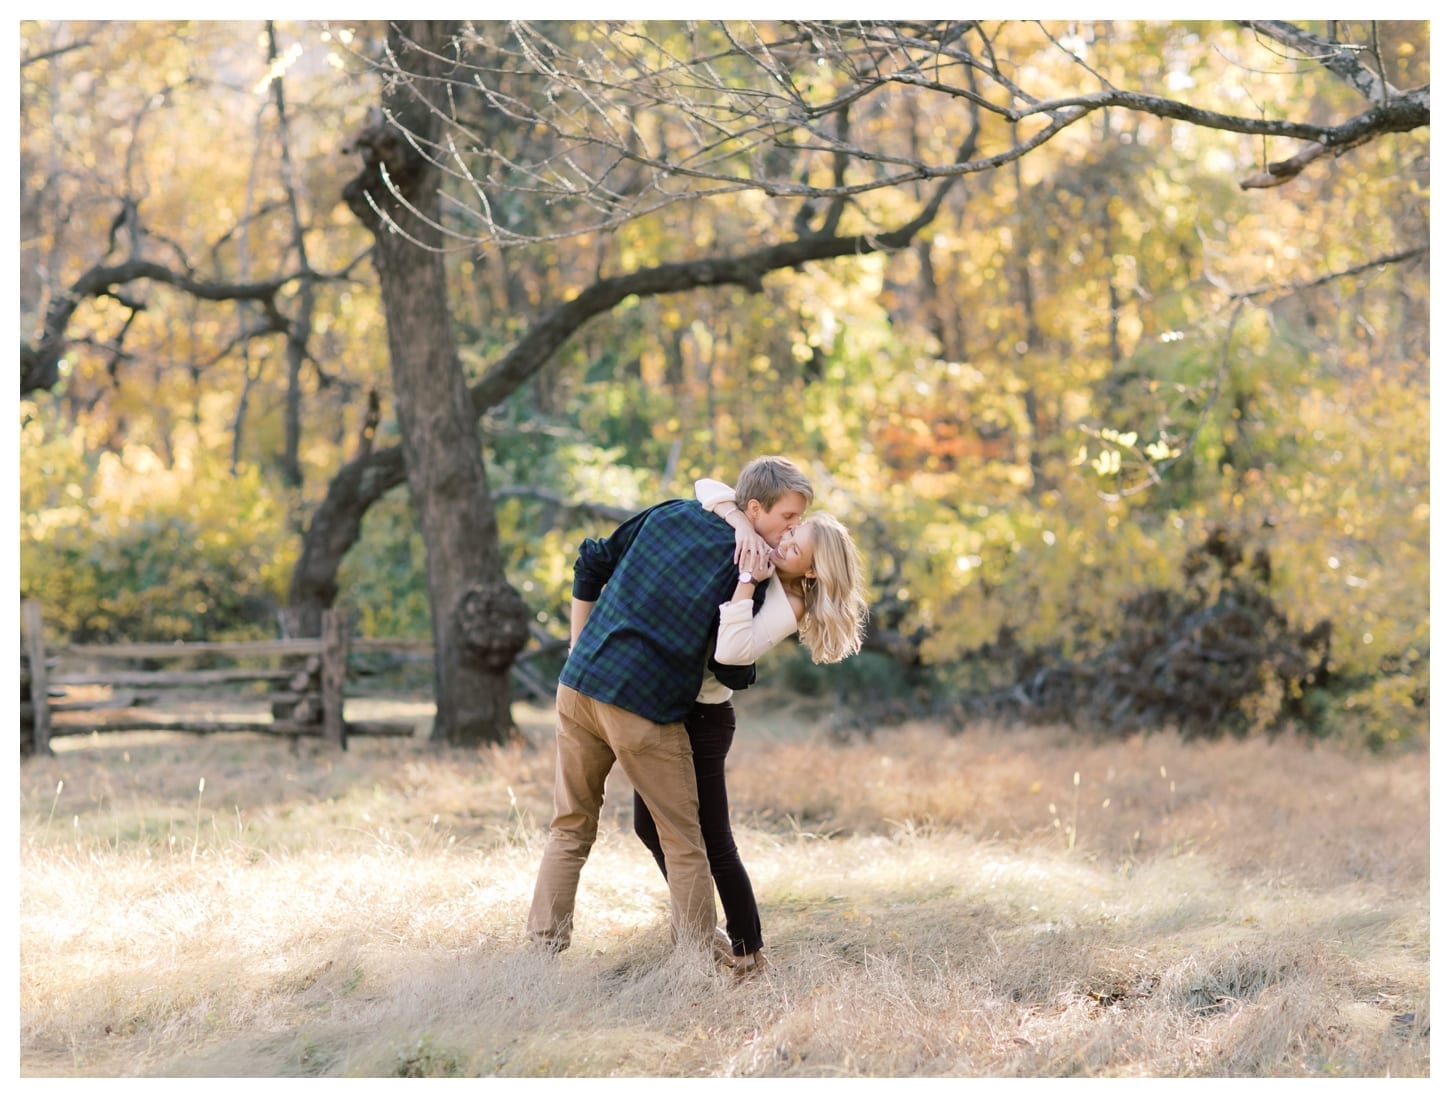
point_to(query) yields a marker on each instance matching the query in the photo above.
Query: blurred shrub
(868, 680)
(1381, 713)
(125, 546)
(383, 581)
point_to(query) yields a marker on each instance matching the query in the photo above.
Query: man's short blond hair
(768, 478)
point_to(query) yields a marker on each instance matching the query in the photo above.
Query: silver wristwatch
(746, 577)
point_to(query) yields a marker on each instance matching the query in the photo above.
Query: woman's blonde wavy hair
(834, 623)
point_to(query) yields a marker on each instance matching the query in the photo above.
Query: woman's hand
(752, 552)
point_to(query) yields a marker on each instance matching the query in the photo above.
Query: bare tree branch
(604, 511)
(1338, 58)
(1286, 289)
(40, 361)
(746, 270)
(61, 51)
(735, 106)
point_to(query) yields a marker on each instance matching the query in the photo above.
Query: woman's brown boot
(752, 964)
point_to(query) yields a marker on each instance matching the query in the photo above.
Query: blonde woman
(813, 585)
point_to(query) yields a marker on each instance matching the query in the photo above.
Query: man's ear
(753, 510)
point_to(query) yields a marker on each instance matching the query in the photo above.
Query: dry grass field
(998, 903)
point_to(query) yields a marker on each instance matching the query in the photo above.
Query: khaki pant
(656, 759)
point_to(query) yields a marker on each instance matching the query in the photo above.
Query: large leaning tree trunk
(479, 622)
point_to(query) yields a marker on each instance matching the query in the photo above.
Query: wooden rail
(305, 677)
(34, 679)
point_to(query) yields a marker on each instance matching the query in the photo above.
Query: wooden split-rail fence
(305, 679)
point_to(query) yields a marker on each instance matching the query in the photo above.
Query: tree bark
(397, 197)
(300, 331)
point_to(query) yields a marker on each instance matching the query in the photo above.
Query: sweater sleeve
(712, 492)
(744, 636)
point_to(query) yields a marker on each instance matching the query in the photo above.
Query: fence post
(334, 676)
(39, 676)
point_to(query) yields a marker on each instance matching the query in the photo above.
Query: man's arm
(579, 611)
(597, 559)
(595, 564)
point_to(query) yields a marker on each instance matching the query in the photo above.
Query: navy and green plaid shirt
(657, 584)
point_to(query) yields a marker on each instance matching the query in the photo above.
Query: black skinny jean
(711, 729)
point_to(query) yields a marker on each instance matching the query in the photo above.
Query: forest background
(1132, 428)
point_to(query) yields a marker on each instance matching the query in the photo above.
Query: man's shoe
(546, 947)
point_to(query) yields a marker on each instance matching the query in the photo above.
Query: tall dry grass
(997, 903)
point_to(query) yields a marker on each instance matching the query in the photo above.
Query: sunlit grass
(235, 907)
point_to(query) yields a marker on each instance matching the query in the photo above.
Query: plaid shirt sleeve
(598, 557)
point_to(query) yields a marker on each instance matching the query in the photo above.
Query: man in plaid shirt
(643, 617)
